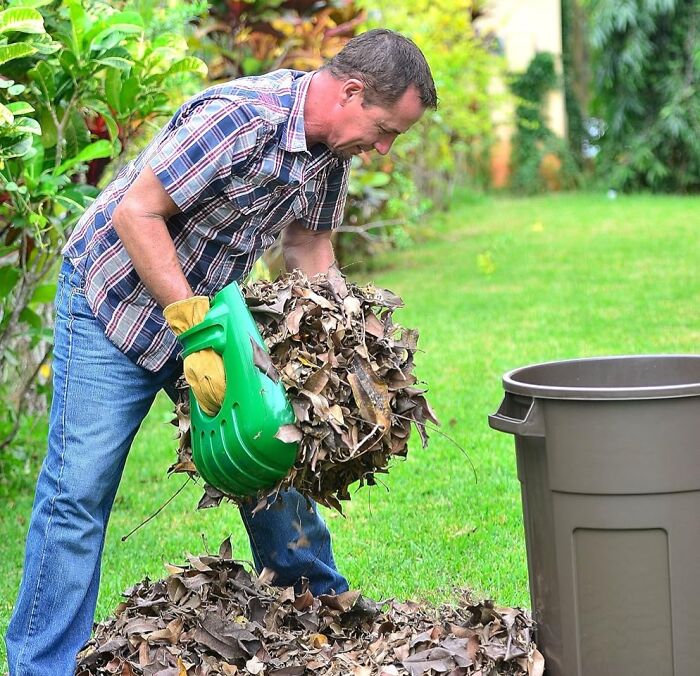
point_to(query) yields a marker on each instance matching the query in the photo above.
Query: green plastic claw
(236, 450)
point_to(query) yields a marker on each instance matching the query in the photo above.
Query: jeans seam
(253, 541)
(40, 577)
(315, 554)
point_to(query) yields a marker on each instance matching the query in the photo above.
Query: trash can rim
(512, 384)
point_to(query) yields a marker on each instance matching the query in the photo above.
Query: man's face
(361, 128)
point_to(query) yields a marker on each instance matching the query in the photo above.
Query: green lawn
(495, 284)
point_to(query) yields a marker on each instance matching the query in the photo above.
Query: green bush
(647, 92)
(77, 83)
(534, 142)
(239, 39)
(448, 147)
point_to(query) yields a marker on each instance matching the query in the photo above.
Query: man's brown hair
(387, 63)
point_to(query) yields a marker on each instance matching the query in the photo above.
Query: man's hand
(310, 251)
(204, 370)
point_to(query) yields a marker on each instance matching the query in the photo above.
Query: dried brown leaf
(289, 434)
(370, 393)
(263, 361)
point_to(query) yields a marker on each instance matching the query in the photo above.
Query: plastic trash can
(608, 456)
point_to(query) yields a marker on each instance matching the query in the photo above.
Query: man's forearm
(139, 220)
(151, 249)
(306, 250)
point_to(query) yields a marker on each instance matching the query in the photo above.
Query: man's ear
(351, 89)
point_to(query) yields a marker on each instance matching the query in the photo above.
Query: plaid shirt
(234, 160)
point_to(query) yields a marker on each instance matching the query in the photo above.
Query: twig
(385, 223)
(358, 445)
(204, 541)
(447, 436)
(9, 437)
(348, 26)
(159, 510)
(349, 265)
(363, 230)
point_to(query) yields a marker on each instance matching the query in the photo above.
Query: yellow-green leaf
(6, 116)
(17, 50)
(28, 125)
(20, 108)
(189, 64)
(101, 148)
(21, 20)
(44, 293)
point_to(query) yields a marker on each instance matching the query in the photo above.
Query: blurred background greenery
(600, 96)
(560, 94)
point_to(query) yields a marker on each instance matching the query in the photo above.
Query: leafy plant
(647, 70)
(447, 147)
(250, 37)
(540, 160)
(78, 80)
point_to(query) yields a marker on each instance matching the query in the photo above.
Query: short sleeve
(197, 153)
(327, 212)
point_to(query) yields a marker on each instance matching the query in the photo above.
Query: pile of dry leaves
(348, 373)
(213, 617)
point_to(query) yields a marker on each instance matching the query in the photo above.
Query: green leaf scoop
(236, 450)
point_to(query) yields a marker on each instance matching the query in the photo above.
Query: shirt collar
(294, 135)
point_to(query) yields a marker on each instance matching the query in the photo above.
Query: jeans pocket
(78, 307)
(65, 271)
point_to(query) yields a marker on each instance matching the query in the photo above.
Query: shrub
(78, 81)
(647, 91)
(540, 160)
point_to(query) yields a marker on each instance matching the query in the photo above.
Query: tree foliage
(451, 145)
(647, 68)
(77, 82)
(251, 37)
(538, 157)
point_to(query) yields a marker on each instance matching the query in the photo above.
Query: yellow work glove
(204, 370)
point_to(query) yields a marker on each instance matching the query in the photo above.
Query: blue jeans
(100, 398)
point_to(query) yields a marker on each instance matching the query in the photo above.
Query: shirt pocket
(305, 199)
(248, 198)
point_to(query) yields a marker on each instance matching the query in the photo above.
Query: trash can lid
(616, 377)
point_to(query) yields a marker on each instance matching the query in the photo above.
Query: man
(235, 166)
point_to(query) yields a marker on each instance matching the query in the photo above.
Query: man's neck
(320, 99)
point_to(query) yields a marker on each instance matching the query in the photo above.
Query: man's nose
(383, 147)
